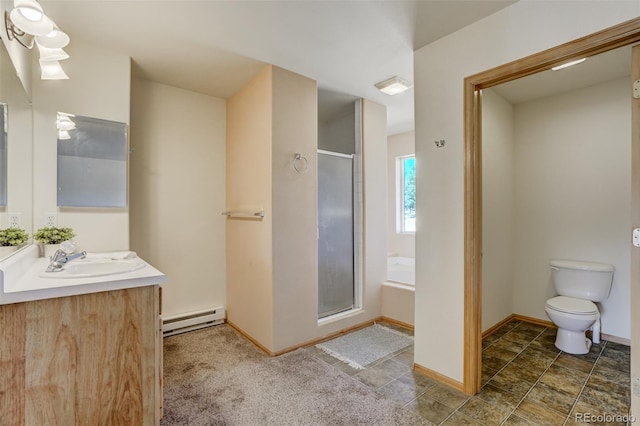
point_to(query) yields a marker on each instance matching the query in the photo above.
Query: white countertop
(20, 279)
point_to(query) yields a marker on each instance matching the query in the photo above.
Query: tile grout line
(584, 385)
(512, 411)
(494, 342)
(531, 388)
(521, 350)
(448, 417)
(503, 367)
(539, 376)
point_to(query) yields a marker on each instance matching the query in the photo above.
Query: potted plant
(51, 237)
(10, 239)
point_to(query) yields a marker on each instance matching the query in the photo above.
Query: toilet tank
(584, 280)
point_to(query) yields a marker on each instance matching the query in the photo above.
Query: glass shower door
(335, 233)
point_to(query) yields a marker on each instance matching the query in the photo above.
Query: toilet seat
(572, 305)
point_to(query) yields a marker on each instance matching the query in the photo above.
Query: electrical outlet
(50, 220)
(636, 386)
(13, 220)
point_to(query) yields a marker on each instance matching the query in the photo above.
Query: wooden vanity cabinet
(90, 359)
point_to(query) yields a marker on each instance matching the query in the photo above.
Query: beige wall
(374, 154)
(295, 254)
(398, 145)
(98, 86)
(248, 187)
(177, 191)
(440, 69)
(498, 209)
(573, 192)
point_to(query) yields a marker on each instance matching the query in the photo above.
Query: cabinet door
(88, 359)
(12, 324)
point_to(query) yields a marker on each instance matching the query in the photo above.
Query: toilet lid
(571, 305)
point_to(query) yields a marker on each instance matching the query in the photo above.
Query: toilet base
(572, 342)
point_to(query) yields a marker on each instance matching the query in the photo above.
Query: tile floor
(526, 380)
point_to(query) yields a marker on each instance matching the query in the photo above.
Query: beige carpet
(215, 376)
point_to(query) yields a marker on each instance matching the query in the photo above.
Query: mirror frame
(611, 38)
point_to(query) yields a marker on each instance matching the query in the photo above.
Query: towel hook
(300, 163)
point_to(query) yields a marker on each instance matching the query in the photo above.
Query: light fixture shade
(28, 16)
(54, 39)
(49, 54)
(393, 85)
(52, 70)
(65, 123)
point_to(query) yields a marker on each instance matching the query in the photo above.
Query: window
(406, 194)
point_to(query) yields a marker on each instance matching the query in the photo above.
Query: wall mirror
(3, 154)
(92, 162)
(16, 149)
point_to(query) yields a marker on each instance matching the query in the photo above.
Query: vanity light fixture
(28, 25)
(394, 85)
(64, 125)
(52, 70)
(28, 16)
(49, 54)
(65, 122)
(54, 39)
(568, 64)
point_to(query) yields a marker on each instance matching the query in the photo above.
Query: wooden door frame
(635, 223)
(611, 38)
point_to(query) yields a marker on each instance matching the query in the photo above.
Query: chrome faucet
(61, 258)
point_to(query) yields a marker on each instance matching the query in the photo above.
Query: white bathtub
(401, 270)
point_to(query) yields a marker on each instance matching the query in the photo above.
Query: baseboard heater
(193, 321)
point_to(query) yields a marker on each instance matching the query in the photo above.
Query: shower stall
(339, 208)
(335, 233)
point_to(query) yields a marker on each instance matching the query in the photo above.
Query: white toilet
(578, 284)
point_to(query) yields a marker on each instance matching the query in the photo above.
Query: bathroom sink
(83, 268)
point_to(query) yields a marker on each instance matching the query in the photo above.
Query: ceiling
(215, 47)
(596, 69)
